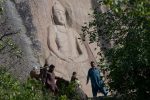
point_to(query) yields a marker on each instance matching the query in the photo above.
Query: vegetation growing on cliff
(11, 89)
(32, 89)
(126, 25)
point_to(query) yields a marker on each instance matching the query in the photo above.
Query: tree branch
(8, 34)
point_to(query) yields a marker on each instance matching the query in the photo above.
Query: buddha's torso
(66, 41)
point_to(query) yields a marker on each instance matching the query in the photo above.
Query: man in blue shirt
(96, 81)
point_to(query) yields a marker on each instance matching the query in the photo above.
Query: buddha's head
(59, 14)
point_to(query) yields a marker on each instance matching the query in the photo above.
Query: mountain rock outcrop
(49, 32)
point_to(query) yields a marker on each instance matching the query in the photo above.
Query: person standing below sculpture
(63, 41)
(43, 73)
(33, 73)
(77, 87)
(74, 79)
(96, 81)
(50, 80)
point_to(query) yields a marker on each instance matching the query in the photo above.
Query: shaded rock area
(21, 65)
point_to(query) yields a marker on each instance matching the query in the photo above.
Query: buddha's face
(60, 16)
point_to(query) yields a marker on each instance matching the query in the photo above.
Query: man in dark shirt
(96, 81)
(43, 73)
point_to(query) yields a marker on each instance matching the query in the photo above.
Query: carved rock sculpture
(67, 51)
(64, 41)
(50, 34)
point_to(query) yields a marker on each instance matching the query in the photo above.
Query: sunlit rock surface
(49, 32)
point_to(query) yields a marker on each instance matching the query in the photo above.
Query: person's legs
(103, 90)
(94, 91)
(56, 90)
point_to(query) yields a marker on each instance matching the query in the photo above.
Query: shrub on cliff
(11, 89)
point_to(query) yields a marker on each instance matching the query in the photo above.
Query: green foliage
(63, 97)
(11, 89)
(71, 91)
(127, 24)
(68, 92)
(8, 45)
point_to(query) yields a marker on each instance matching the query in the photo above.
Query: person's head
(59, 13)
(74, 73)
(35, 68)
(45, 65)
(41, 68)
(51, 68)
(92, 64)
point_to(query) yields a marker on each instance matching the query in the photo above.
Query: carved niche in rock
(63, 41)
(67, 51)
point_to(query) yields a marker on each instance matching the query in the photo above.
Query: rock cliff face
(50, 33)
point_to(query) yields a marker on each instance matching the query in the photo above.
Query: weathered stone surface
(50, 33)
(13, 23)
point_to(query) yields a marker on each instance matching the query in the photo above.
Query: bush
(11, 89)
(32, 89)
